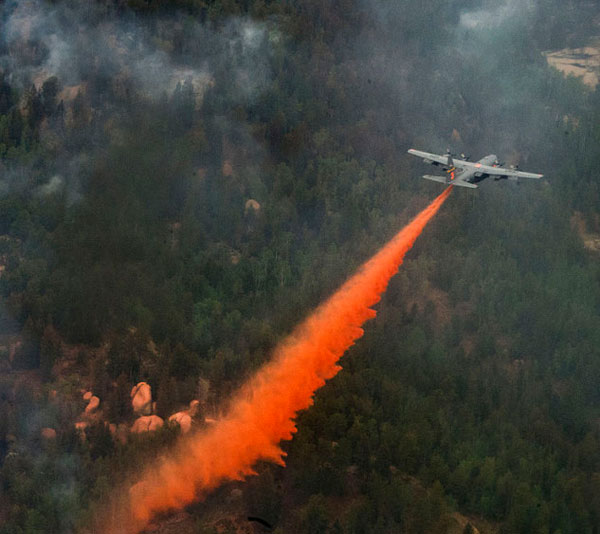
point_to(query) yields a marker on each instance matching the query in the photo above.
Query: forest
(183, 181)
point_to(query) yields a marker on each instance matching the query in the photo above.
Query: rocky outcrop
(184, 421)
(194, 408)
(251, 206)
(147, 423)
(80, 426)
(92, 405)
(141, 399)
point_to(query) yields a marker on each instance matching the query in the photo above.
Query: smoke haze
(78, 41)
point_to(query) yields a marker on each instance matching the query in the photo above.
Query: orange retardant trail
(261, 414)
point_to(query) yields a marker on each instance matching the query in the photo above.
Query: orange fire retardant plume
(261, 414)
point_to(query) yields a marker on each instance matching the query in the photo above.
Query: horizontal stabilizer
(441, 179)
(462, 183)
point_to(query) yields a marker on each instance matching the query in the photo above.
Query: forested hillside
(181, 182)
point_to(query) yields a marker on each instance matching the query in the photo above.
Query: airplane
(465, 173)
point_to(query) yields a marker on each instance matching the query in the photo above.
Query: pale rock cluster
(141, 402)
(90, 413)
(143, 407)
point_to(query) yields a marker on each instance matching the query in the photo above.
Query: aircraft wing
(499, 171)
(437, 159)
(428, 157)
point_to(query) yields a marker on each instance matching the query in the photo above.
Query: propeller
(449, 167)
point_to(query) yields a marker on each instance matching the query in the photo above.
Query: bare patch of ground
(582, 63)
(591, 240)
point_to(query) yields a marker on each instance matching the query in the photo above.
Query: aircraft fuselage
(472, 175)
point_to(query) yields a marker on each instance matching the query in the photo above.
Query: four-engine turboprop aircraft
(466, 173)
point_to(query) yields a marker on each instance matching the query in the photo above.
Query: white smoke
(121, 60)
(55, 185)
(72, 41)
(496, 14)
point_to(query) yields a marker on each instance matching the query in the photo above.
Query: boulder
(147, 423)
(80, 426)
(141, 399)
(194, 408)
(92, 405)
(227, 168)
(251, 206)
(48, 433)
(184, 421)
